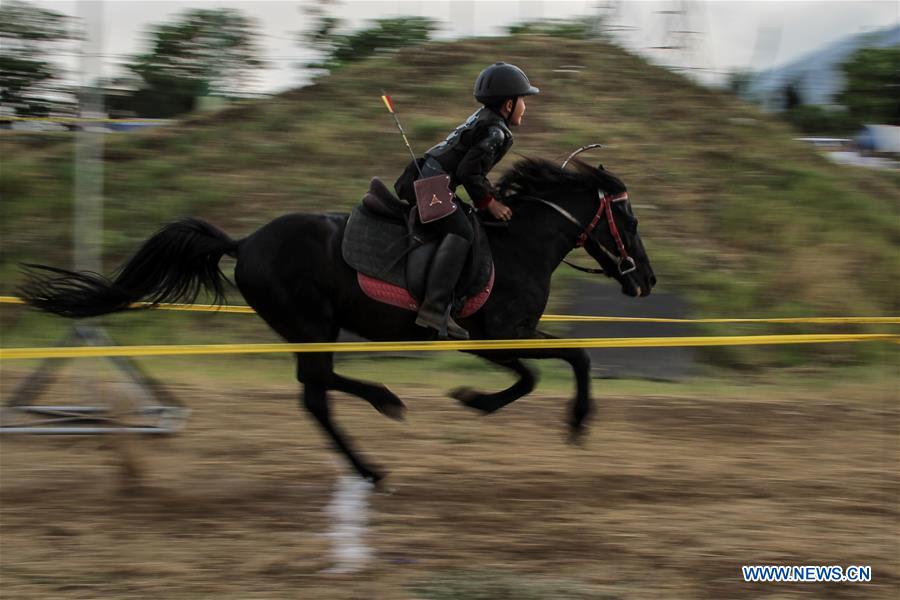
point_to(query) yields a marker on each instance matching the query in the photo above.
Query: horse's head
(595, 201)
(612, 238)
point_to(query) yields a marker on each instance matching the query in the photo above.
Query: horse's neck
(532, 242)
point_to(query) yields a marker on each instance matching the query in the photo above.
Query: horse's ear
(600, 166)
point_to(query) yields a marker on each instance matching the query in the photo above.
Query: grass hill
(736, 216)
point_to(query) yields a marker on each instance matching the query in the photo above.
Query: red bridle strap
(605, 205)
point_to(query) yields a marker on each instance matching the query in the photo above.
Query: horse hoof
(577, 437)
(472, 399)
(465, 395)
(382, 488)
(397, 412)
(379, 484)
(372, 476)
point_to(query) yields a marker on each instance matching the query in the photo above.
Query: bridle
(623, 261)
(605, 204)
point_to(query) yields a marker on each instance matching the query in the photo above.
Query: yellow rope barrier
(807, 320)
(180, 350)
(546, 318)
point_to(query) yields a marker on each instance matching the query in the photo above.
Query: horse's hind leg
(315, 372)
(488, 403)
(383, 399)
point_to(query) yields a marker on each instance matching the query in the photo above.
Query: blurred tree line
(206, 52)
(574, 29)
(29, 78)
(337, 48)
(871, 94)
(203, 52)
(215, 52)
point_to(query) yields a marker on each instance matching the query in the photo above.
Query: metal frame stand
(19, 415)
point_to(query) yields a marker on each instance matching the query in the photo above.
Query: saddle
(391, 252)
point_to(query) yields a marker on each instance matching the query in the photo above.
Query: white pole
(88, 202)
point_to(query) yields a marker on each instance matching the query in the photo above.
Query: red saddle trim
(395, 295)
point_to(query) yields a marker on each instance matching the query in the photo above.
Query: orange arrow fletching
(387, 102)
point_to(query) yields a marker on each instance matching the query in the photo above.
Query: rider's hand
(499, 210)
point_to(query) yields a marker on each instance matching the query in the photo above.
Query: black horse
(292, 273)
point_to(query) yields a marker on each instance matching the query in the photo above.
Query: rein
(605, 207)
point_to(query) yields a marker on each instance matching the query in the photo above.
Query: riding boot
(446, 267)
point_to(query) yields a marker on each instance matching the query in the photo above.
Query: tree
(205, 52)
(585, 28)
(740, 81)
(338, 49)
(872, 92)
(819, 120)
(321, 35)
(792, 98)
(29, 81)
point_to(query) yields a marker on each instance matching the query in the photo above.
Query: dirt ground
(668, 497)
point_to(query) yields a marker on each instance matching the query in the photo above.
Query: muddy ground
(668, 497)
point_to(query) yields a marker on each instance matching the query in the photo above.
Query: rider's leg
(446, 267)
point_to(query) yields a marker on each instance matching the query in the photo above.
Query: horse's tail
(172, 266)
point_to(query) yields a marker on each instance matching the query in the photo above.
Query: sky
(726, 35)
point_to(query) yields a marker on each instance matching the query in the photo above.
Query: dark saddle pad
(384, 240)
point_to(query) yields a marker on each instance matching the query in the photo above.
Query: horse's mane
(536, 176)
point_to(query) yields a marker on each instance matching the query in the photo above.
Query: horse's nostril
(653, 280)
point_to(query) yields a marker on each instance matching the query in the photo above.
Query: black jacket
(467, 155)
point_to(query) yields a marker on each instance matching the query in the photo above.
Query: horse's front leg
(582, 403)
(488, 403)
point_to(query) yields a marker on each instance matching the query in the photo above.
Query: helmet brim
(531, 91)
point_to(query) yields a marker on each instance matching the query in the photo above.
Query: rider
(467, 155)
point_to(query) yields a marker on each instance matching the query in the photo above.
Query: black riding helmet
(501, 81)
